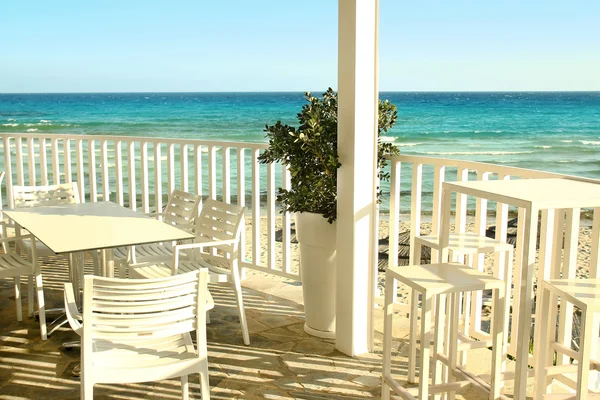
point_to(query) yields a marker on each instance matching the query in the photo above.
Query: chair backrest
(182, 208)
(220, 221)
(129, 309)
(50, 195)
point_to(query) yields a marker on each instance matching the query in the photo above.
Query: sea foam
(476, 153)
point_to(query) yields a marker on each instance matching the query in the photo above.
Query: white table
(75, 228)
(531, 196)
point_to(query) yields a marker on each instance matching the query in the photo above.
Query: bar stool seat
(466, 243)
(431, 281)
(469, 244)
(585, 295)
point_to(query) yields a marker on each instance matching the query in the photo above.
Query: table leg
(525, 301)
(108, 264)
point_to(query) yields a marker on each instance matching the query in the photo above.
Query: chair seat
(148, 251)
(582, 292)
(11, 265)
(143, 360)
(466, 243)
(163, 269)
(444, 278)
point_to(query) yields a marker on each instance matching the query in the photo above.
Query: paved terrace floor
(282, 362)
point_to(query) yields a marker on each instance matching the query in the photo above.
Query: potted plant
(310, 153)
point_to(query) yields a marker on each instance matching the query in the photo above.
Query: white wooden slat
(226, 177)
(31, 161)
(43, 161)
(144, 172)
(119, 171)
(157, 177)
(8, 170)
(595, 245)
(19, 161)
(212, 172)
(271, 249)
(461, 202)
(394, 219)
(198, 169)
(565, 320)
(286, 227)
(255, 209)
(55, 160)
(92, 170)
(67, 160)
(439, 175)
(557, 256)
(170, 168)
(80, 174)
(105, 176)
(415, 207)
(241, 195)
(594, 271)
(517, 282)
(183, 159)
(131, 174)
(480, 225)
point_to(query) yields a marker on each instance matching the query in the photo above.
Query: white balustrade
(140, 172)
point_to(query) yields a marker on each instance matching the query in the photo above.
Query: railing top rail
(486, 167)
(141, 139)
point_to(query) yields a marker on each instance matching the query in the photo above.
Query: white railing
(412, 176)
(140, 173)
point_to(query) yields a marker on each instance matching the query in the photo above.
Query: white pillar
(356, 207)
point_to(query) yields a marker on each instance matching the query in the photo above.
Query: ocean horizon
(549, 131)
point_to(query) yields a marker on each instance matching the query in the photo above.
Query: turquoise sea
(552, 131)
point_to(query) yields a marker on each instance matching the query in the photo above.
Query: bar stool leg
(388, 313)
(412, 355)
(453, 341)
(438, 340)
(426, 310)
(498, 305)
(583, 369)
(542, 343)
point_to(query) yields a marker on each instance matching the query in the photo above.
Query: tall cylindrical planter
(317, 243)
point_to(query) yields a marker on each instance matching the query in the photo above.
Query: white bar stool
(432, 281)
(584, 294)
(464, 244)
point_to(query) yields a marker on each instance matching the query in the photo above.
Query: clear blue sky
(281, 45)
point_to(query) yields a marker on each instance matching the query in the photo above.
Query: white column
(357, 137)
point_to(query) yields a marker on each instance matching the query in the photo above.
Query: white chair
(216, 247)
(180, 211)
(14, 266)
(36, 196)
(138, 330)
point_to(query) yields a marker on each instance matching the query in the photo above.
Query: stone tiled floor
(282, 362)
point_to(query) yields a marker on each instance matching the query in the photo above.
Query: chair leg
(30, 296)
(185, 388)
(240, 303)
(87, 387)
(204, 382)
(207, 317)
(96, 262)
(41, 305)
(412, 355)
(18, 299)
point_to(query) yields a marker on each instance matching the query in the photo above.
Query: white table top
(541, 193)
(91, 226)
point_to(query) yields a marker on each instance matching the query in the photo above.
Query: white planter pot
(317, 243)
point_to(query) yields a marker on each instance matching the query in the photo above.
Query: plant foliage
(310, 152)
